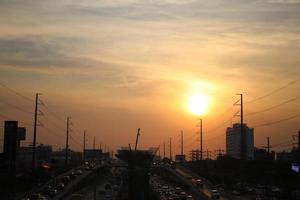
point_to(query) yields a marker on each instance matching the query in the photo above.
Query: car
(182, 194)
(102, 192)
(47, 189)
(189, 197)
(37, 196)
(189, 177)
(214, 194)
(236, 193)
(60, 186)
(65, 179)
(78, 172)
(76, 196)
(73, 175)
(177, 190)
(199, 183)
(52, 192)
(108, 197)
(115, 188)
(107, 186)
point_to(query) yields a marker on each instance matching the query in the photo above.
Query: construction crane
(137, 138)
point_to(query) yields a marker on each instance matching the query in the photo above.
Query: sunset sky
(117, 65)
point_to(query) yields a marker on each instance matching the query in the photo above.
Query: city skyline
(114, 66)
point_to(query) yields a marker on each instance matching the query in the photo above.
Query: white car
(189, 197)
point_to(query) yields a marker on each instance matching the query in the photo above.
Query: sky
(117, 65)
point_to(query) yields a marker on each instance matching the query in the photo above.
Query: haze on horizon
(116, 65)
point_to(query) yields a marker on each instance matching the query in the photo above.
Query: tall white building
(234, 147)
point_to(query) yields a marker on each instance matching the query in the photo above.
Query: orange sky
(114, 66)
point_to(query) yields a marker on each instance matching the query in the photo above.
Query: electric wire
(275, 106)
(273, 91)
(15, 92)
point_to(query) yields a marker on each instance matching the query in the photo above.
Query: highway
(93, 190)
(194, 190)
(208, 186)
(72, 184)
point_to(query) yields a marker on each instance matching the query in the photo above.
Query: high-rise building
(237, 146)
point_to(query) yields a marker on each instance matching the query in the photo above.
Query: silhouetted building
(12, 137)
(10, 144)
(263, 155)
(285, 156)
(179, 158)
(43, 154)
(233, 142)
(60, 156)
(96, 154)
(195, 155)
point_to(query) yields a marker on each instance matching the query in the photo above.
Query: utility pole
(268, 144)
(268, 147)
(201, 142)
(243, 156)
(181, 142)
(83, 153)
(34, 130)
(94, 144)
(170, 149)
(208, 154)
(67, 141)
(164, 149)
(159, 151)
(299, 146)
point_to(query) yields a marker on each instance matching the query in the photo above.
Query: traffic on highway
(56, 188)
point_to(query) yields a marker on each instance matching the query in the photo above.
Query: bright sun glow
(198, 104)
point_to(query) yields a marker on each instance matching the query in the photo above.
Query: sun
(198, 104)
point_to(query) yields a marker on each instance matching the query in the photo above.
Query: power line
(16, 107)
(276, 106)
(17, 93)
(278, 121)
(219, 126)
(52, 122)
(273, 92)
(76, 141)
(226, 111)
(57, 116)
(77, 132)
(22, 122)
(50, 130)
(283, 143)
